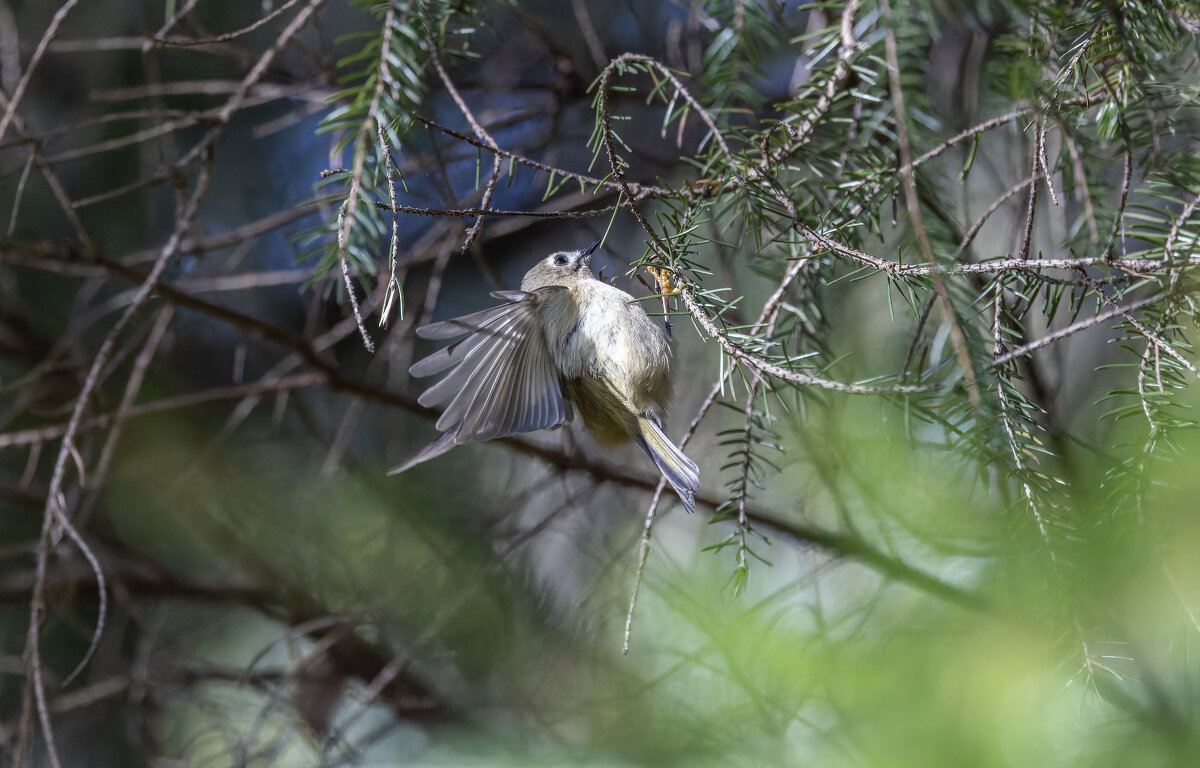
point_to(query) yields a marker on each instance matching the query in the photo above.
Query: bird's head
(561, 268)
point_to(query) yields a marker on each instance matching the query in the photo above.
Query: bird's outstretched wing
(502, 380)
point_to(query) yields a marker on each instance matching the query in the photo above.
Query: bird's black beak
(586, 254)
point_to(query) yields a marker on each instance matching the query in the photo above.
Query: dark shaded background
(273, 598)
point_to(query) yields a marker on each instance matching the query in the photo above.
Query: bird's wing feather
(510, 295)
(460, 326)
(476, 348)
(448, 357)
(503, 378)
(439, 446)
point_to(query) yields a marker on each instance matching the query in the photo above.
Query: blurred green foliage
(816, 663)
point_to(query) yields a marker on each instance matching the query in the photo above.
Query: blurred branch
(141, 580)
(957, 336)
(165, 405)
(267, 19)
(10, 109)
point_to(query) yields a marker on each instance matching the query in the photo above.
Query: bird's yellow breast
(615, 342)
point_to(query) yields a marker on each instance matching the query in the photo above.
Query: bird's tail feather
(680, 471)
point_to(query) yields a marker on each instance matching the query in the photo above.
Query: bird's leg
(662, 279)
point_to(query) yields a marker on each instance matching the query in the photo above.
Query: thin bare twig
(640, 190)
(393, 286)
(799, 134)
(56, 187)
(595, 45)
(1030, 214)
(481, 133)
(766, 320)
(1151, 336)
(168, 25)
(1076, 327)
(20, 193)
(787, 374)
(958, 337)
(165, 42)
(18, 93)
(970, 234)
(54, 514)
(1042, 159)
(1177, 227)
(1006, 421)
(552, 213)
(1082, 192)
(133, 386)
(344, 225)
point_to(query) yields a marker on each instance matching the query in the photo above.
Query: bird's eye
(560, 261)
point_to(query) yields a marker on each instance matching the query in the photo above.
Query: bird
(565, 342)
